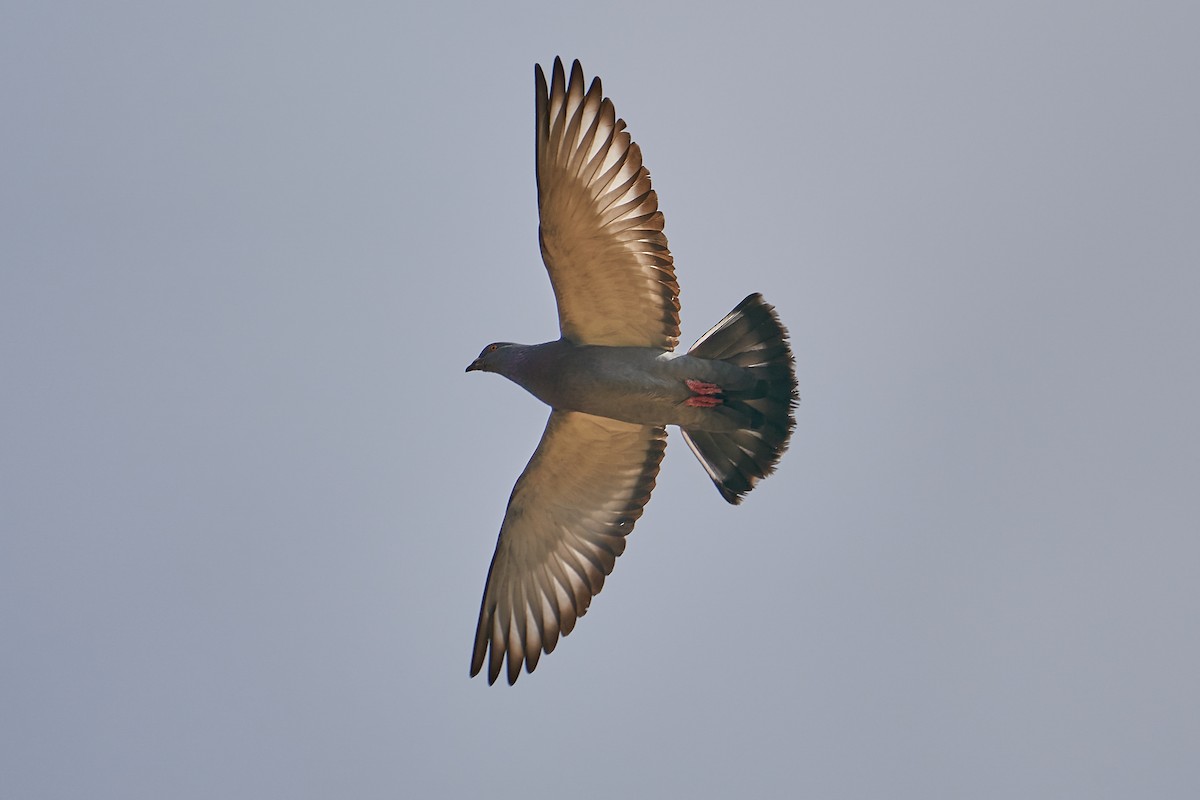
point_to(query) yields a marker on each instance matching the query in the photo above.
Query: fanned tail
(751, 336)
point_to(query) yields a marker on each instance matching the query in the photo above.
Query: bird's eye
(492, 348)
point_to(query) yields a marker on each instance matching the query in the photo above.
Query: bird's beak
(474, 365)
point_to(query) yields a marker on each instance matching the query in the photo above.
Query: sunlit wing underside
(579, 496)
(601, 230)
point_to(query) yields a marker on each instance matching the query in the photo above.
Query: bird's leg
(705, 395)
(700, 387)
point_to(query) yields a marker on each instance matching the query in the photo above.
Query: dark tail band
(751, 336)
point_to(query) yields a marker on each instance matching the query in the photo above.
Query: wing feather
(579, 496)
(601, 231)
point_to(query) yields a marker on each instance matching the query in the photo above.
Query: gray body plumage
(645, 385)
(613, 381)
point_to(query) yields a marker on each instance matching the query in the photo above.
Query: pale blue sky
(248, 495)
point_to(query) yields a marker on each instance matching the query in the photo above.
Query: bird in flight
(613, 381)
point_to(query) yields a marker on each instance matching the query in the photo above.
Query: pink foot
(700, 387)
(704, 395)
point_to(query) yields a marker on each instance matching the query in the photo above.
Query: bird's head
(497, 357)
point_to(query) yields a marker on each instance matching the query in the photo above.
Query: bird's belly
(650, 393)
(641, 410)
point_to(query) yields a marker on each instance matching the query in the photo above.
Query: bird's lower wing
(579, 496)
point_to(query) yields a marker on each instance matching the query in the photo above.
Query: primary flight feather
(613, 381)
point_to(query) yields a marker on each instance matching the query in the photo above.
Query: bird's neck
(531, 363)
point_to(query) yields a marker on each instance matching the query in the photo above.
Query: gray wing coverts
(567, 518)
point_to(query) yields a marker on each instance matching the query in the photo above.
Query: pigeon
(613, 381)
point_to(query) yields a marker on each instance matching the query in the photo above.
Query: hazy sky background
(249, 496)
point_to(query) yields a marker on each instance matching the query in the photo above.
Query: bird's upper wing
(566, 524)
(601, 230)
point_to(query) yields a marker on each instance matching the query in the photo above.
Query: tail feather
(751, 336)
